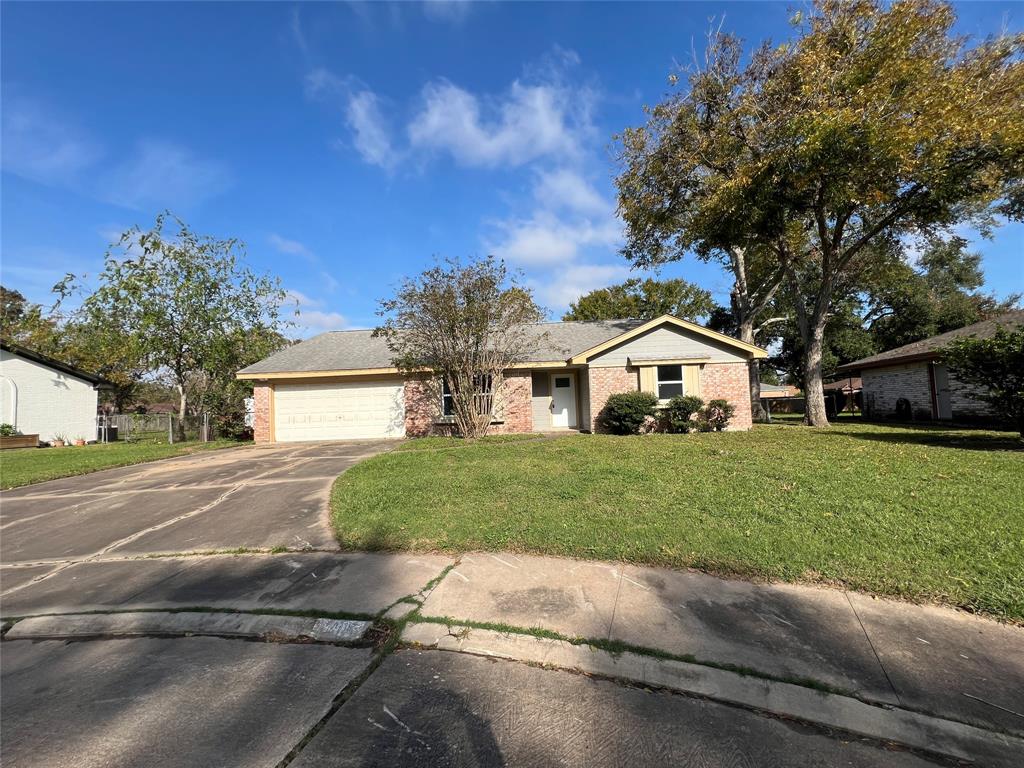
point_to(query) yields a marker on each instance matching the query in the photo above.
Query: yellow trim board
(278, 375)
(668, 361)
(755, 352)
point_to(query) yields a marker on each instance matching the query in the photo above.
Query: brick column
(262, 415)
(729, 381)
(605, 382)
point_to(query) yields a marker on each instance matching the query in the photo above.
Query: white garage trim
(339, 410)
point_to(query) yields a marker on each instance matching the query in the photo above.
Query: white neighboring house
(40, 395)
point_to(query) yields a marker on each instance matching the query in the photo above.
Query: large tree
(186, 307)
(874, 123)
(461, 326)
(678, 190)
(643, 299)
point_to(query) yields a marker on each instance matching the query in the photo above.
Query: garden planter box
(19, 441)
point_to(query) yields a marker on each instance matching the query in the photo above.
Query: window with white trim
(670, 381)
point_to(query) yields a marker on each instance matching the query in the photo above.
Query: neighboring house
(40, 395)
(915, 374)
(772, 391)
(342, 384)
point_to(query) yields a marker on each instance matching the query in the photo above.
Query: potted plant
(59, 440)
(79, 440)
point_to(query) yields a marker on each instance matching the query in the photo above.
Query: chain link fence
(154, 427)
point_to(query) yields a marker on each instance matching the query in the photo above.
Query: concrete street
(227, 683)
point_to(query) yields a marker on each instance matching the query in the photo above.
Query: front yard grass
(24, 466)
(915, 512)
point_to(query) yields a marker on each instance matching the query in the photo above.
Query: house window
(670, 381)
(483, 396)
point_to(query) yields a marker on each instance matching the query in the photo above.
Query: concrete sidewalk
(932, 660)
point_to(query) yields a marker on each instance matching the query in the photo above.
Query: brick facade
(514, 407)
(729, 381)
(604, 382)
(261, 395)
(882, 387)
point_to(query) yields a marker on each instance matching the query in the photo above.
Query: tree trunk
(754, 370)
(180, 429)
(814, 392)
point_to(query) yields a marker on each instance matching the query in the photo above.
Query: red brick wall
(423, 407)
(728, 381)
(605, 382)
(261, 394)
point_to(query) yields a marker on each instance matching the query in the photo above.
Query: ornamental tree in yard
(873, 124)
(187, 307)
(643, 299)
(995, 368)
(464, 325)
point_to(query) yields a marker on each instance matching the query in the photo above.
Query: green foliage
(995, 368)
(466, 324)
(183, 305)
(7, 430)
(819, 155)
(679, 412)
(644, 300)
(718, 413)
(625, 413)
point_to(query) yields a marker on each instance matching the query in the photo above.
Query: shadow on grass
(938, 436)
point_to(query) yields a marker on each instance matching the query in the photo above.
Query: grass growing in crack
(617, 648)
(922, 513)
(298, 613)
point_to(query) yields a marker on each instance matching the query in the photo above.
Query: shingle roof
(929, 348)
(356, 350)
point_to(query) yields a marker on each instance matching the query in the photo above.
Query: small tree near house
(994, 367)
(462, 326)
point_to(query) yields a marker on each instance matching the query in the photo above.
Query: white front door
(563, 400)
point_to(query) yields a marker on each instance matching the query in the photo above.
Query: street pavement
(178, 535)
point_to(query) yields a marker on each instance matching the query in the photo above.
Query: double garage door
(339, 411)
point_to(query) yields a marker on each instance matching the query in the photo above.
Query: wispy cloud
(162, 174)
(568, 283)
(363, 115)
(40, 145)
(312, 317)
(565, 189)
(290, 247)
(453, 11)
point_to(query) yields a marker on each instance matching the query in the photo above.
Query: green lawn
(915, 512)
(23, 466)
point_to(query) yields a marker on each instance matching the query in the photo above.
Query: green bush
(679, 412)
(7, 430)
(717, 415)
(626, 412)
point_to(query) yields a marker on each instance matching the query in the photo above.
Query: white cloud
(290, 247)
(545, 239)
(163, 174)
(363, 112)
(529, 122)
(371, 136)
(566, 284)
(566, 189)
(311, 317)
(43, 147)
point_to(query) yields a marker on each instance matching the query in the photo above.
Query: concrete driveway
(254, 498)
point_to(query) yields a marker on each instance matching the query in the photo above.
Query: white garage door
(339, 411)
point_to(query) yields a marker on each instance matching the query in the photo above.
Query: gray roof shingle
(930, 347)
(355, 350)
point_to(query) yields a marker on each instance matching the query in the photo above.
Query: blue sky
(348, 144)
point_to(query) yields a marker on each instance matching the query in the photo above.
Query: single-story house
(915, 375)
(40, 395)
(772, 391)
(343, 385)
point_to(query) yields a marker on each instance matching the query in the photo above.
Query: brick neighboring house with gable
(915, 373)
(342, 385)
